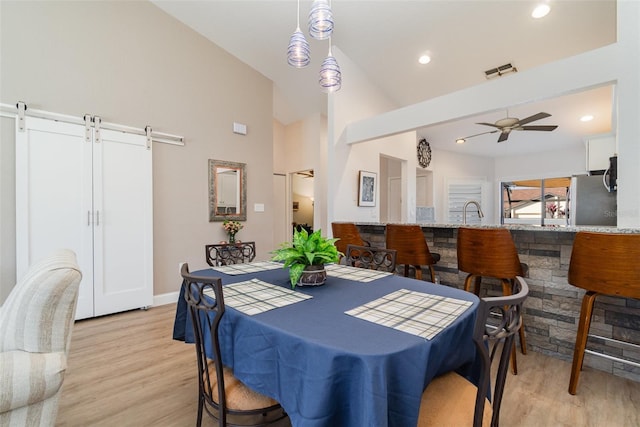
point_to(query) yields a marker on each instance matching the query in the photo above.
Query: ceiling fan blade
(546, 128)
(503, 136)
(483, 133)
(478, 134)
(532, 118)
(489, 124)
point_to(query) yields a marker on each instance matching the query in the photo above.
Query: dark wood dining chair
(220, 393)
(412, 248)
(348, 234)
(230, 253)
(371, 258)
(490, 252)
(451, 399)
(602, 264)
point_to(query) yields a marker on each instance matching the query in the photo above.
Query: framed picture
(367, 189)
(296, 206)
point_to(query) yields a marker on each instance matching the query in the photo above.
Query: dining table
(356, 351)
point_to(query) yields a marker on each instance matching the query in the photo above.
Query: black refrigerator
(593, 203)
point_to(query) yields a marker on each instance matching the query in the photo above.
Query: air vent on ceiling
(501, 70)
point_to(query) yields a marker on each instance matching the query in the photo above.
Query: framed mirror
(227, 191)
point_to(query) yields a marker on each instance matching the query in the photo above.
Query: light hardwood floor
(125, 370)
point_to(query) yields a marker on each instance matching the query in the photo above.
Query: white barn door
(123, 228)
(90, 192)
(53, 199)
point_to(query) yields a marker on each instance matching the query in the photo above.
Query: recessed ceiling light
(540, 10)
(586, 118)
(460, 141)
(424, 59)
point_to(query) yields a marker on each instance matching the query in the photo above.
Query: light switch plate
(258, 207)
(239, 128)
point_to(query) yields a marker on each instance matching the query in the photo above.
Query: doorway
(390, 189)
(425, 210)
(302, 199)
(394, 207)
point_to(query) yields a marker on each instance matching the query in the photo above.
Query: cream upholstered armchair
(36, 322)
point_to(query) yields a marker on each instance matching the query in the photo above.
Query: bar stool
(490, 252)
(348, 234)
(617, 274)
(408, 240)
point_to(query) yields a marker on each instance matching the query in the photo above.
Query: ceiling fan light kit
(508, 124)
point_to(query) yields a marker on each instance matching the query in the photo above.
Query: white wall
(541, 165)
(628, 91)
(304, 214)
(279, 148)
(452, 167)
(131, 63)
(359, 98)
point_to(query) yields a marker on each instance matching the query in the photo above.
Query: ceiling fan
(508, 124)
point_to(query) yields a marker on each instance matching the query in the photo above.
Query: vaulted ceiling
(385, 39)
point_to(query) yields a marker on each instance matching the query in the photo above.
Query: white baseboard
(168, 298)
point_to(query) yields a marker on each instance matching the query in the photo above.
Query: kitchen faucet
(464, 210)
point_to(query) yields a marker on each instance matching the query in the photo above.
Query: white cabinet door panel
(124, 235)
(53, 199)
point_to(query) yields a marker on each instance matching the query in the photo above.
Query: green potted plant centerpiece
(306, 256)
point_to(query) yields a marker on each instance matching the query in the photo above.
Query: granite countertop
(525, 227)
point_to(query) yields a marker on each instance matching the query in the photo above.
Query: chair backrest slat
(371, 258)
(497, 322)
(205, 301)
(230, 253)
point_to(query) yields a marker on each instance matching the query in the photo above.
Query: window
(536, 201)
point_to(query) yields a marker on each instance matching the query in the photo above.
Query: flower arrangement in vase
(306, 256)
(232, 227)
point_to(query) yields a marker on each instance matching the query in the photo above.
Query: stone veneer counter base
(552, 310)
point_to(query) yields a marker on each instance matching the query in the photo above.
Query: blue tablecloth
(327, 368)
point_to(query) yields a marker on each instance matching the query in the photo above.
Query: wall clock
(424, 153)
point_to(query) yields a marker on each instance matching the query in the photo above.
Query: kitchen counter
(526, 227)
(553, 307)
